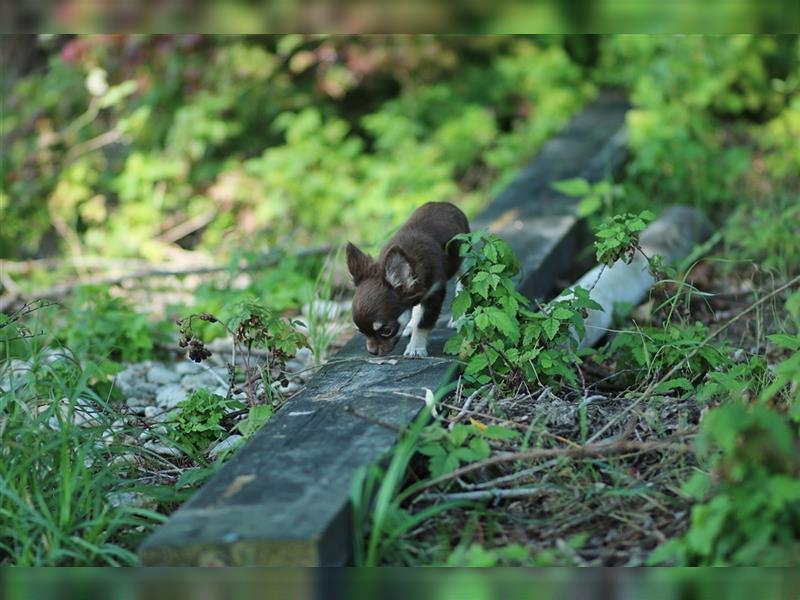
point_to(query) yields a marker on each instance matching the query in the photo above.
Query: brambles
(251, 327)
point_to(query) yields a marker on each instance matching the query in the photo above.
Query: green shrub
(749, 501)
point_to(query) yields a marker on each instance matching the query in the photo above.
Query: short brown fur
(413, 268)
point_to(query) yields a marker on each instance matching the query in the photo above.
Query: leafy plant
(656, 350)
(787, 373)
(448, 449)
(105, 326)
(594, 197)
(618, 237)
(198, 422)
(749, 510)
(498, 336)
(251, 326)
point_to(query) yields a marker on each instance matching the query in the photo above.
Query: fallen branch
(59, 291)
(589, 450)
(492, 494)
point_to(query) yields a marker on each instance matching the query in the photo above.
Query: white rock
(188, 367)
(225, 445)
(127, 459)
(170, 396)
(206, 379)
(289, 388)
(138, 405)
(133, 382)
(84, 414)
(162, 375)
(135, 499)
(162, 449)
(14, 375)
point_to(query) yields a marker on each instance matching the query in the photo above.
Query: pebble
(138, 405)
(289, 388)
(15, 375)
(135, 499)
(170, 396)
(225, 445)
(187, 367)
(84, 414)
(162, 375)
(204, 380)
(163, 449)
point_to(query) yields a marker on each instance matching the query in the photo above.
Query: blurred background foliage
(213, 150)
(142, 146)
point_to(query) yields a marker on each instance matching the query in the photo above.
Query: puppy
(403, 291)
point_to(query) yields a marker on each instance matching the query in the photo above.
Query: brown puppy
(403, 291)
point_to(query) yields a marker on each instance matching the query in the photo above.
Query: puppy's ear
(360, 265)
(398, 271)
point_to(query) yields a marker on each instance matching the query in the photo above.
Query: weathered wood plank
(284, 498)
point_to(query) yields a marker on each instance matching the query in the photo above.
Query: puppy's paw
(407, 331)
(453, 323)
(415, 351)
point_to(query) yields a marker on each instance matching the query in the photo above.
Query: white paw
(407, 331)
(412, 350)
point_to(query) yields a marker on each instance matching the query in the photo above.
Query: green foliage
(448, 449)
(595, 197)
(102, 325)
(498, 336)
(257, 326)
(475, 555)
(199, 422)
(655, 350)
(59, 475)
(765, 231)
(685, 91)
(257, 417)
(379, 518)
(618, 237)
(749, 507)
(787, 373)
(265, 141)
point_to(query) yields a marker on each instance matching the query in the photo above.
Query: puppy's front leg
(431, 308)
(416, 315)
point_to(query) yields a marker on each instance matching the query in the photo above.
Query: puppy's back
(439, 220)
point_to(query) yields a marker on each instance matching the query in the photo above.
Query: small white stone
(225, 445)
(162, 375)
(162, 449)
(170, 396)
(205, 379)
(134, 499)
(188, 367)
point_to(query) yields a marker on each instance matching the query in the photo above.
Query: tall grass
(58, 478)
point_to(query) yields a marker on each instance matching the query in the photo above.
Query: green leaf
(480, 447)
(460, 304)
(496, 432)
(671, 384)
(550, 327)
(572, 187)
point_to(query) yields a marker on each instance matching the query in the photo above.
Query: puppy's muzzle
(381, 346)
